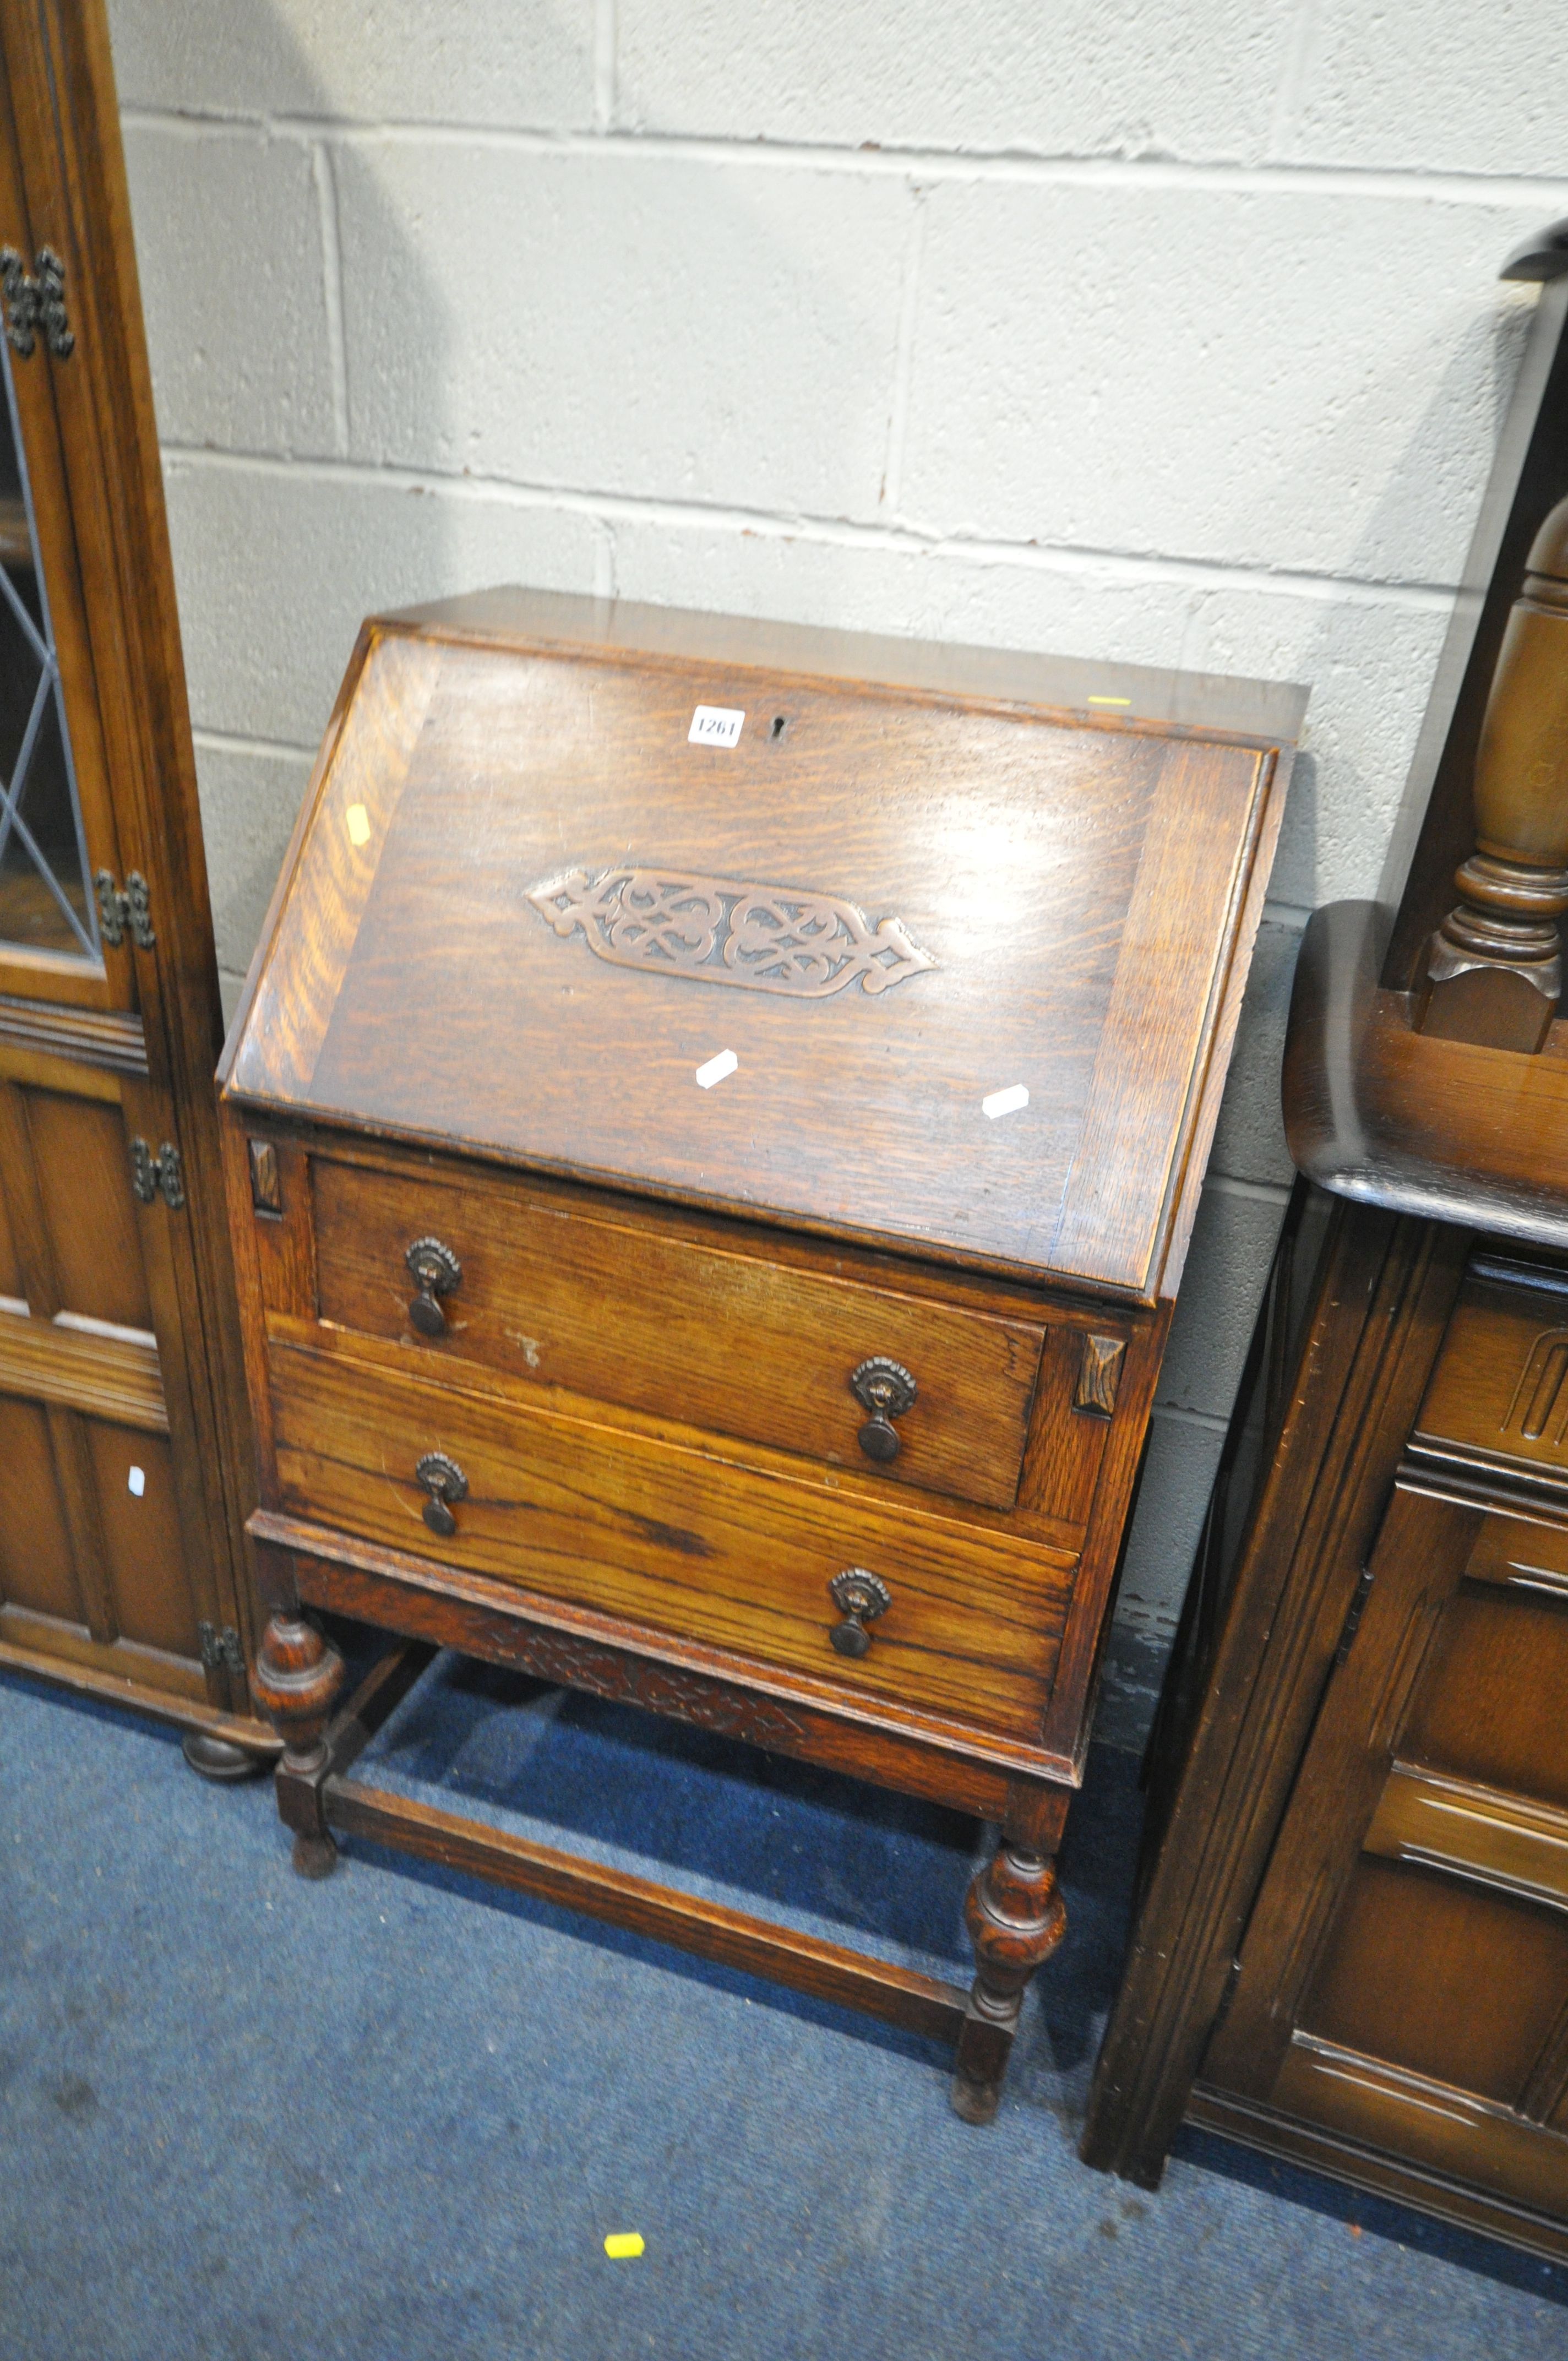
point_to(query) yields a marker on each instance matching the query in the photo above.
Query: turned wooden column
(1493, 968)
(1015, 1918)
(297, 1677)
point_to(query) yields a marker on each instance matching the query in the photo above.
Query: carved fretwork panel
(762, 937)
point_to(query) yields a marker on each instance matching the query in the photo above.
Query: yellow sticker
(358, 820)
(1091, 700)
(621, 2242)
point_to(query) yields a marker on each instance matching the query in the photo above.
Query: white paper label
(716, 1069)
(137, 1482)
(1007, 1102)
(715, 725)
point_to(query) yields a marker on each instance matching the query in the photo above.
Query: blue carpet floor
(392, 2118)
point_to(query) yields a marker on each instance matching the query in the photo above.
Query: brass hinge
(152, 1174)
(35, 299)
(222, 1651)
(117, 910)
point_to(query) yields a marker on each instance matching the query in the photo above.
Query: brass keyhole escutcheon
(860, 1597)
(435, 1271)
(445, 1483)
(887, 1389)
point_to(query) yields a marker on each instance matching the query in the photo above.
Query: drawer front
(659, 1323)
(1500, 1387)
(675, 1543)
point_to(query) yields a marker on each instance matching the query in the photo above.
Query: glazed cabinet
(123, 1446)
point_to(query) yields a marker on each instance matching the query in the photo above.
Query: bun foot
(219, 1757)
(974, 2102)
(314, 1855)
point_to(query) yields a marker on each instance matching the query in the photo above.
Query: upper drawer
(682, 1330)
(1500, 1387)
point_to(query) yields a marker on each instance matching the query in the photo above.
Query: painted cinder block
(228, 231)
(249, 800)
(276, 568)
(1413, 87)
(1179, 1475)
(1088, 77)
(1249, 1138)
(529, 62)
(1294, 381)
(657, 327)
(1369, 658)
(942, 594)
(1234, 1239)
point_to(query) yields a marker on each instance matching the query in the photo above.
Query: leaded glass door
(120, 1539)
(44, 899)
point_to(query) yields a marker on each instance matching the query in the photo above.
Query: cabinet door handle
(435, 1270)
(860, 1598)
(445, 1482)
(887, 1389)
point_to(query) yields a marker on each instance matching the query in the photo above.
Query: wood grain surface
(631, 1316)
(789, 1713)
(1377, 1112)
(760, 1947)
(1017, 849)
(675, 1541)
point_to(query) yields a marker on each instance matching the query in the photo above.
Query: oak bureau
(712, 1134)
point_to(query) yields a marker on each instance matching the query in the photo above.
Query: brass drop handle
(445, 1482)
(435, 1270)
(886, 1389)
(860, 1598)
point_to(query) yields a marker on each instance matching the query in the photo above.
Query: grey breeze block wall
(1167, 333)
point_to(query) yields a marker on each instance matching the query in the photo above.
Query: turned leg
(1015, 1918)
(298, 1675)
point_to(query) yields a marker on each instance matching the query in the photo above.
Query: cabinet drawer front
(681, 1330)
(1500, 1387)
(675, 1543)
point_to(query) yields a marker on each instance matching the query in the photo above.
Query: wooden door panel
(140, 1530)
(1440, 1977)
(1404, 1977)
(1426, 2124)
(83, 1163)
(1493, 1701)
(11, 1281)
(36, 1569)
(1415, 1568)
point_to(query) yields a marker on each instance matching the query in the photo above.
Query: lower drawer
(675, 1543)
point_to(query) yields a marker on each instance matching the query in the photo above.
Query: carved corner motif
(760, 937)
(1099, 1375)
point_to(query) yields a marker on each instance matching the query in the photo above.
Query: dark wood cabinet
(125, 1457)
(712, 1132)
(1351, 1940)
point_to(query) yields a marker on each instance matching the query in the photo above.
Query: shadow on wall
(1350, 646)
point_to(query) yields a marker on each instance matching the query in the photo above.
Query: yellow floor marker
(622, 2243)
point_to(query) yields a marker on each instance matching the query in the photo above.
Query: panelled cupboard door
(1403, 1983)
(116, 1572)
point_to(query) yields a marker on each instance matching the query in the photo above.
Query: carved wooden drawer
(1499, 1392)
(544, 1286)
(671, 1542)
